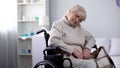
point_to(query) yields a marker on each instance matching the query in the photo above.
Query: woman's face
(74, 18)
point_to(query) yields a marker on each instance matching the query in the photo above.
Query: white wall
(102, 15)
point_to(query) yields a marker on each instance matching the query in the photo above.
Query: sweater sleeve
(55, 39)
(90, 40)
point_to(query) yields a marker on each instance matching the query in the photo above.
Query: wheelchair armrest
(52, 50)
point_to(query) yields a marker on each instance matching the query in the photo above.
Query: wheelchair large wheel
(46, 63)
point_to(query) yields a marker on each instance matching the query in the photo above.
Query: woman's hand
(77, 54)
(86, 53)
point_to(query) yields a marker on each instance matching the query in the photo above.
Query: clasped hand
(85, 54)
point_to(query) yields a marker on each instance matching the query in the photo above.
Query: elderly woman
(75, 41)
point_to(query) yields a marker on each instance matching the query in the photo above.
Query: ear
(69, 12)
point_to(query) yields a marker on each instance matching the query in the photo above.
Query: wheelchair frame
(51, 58)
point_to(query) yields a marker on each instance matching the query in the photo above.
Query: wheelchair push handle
(40, 31)
(45, 34)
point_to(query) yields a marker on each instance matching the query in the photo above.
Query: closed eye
(77, 16)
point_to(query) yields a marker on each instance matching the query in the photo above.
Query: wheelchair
(53, 56)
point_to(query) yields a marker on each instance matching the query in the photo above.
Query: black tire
(47, 63)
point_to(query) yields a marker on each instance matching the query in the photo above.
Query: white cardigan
(68, 37)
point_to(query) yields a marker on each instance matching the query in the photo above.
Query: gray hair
(78, 8)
